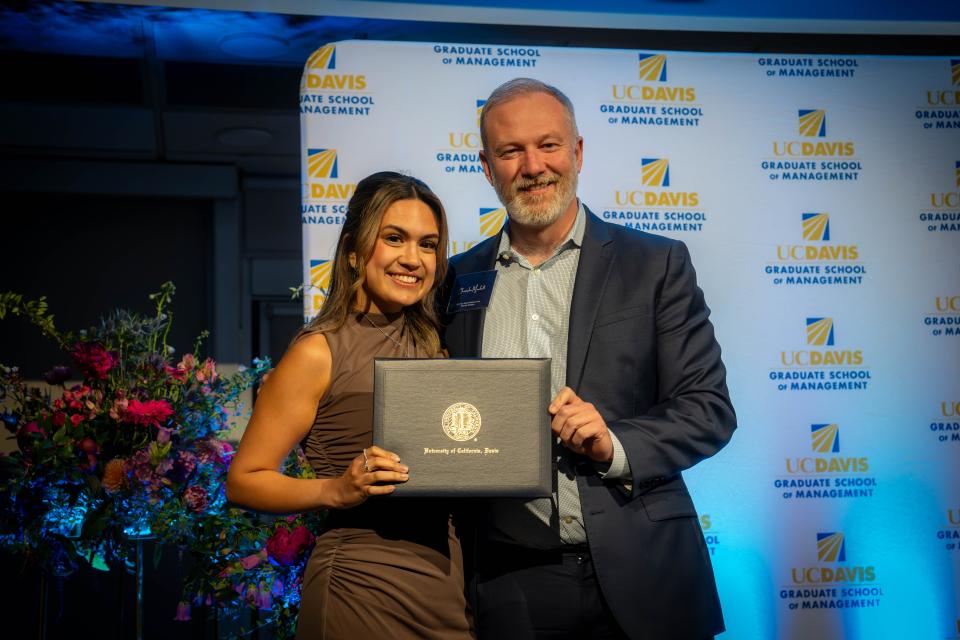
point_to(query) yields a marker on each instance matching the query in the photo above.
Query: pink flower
(183, 612)
(93, 359)
(196, 498)
(251, 561)
(187, 362)
(176, 373)
(59, 417)
(119, 408)
(286, 546)
(76, 419)
(208, 371)
(148, 412)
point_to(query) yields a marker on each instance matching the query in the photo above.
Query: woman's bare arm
(285, 410)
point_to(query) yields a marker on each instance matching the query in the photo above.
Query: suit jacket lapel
(596, 261)
(472, 328)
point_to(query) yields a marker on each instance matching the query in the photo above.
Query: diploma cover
(466, 427)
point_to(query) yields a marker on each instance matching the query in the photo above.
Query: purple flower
(57, 375)
(183, 612)
(195, 498)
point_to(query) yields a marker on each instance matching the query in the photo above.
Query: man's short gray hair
(520, 87)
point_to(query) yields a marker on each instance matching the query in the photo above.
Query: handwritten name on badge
(471, 291)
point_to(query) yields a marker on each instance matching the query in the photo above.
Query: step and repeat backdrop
(820, 199)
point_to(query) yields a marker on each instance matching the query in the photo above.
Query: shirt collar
(574, 237)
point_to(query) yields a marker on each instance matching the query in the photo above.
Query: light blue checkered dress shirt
(529, 317)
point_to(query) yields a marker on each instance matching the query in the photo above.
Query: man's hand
(579, 426)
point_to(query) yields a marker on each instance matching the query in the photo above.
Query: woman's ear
(352, 257)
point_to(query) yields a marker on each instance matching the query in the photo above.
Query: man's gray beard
(541, 211)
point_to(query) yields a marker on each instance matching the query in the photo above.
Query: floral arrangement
(136, 448)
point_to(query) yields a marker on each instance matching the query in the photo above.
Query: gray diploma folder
(469, 427)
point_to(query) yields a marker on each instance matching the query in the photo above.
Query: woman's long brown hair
(372, 198)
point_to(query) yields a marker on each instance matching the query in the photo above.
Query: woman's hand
(360, 481)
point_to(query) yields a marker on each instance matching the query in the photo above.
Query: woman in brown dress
(382, 569)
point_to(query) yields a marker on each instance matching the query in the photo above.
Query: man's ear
(486, 166)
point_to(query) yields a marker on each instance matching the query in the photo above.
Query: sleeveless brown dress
(388, 568)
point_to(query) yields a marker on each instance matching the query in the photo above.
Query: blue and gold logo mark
(322, 163)
(655, 172)
(491, 221)
(480, 104)
(816, 227)
(831, 547)
(820, 332)
(320, 271)
(955, 71)
(957, 176)
(825, 438)
(813, 123)
(323, 58)
(653, 67)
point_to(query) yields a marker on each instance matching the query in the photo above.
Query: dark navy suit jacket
(642, 350)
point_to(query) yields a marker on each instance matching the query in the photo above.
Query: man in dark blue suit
(640, 395)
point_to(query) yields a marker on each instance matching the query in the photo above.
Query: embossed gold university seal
(461, 421)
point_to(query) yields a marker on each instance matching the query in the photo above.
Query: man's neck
(537, 244)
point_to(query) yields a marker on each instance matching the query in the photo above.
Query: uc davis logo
(816, 227)
(825, 438)
(655, 172)
(831, 572)
(653, 67)
(818, 368)
(323, 58)
(945, 320)
(946, 426)
(945, 205)
(320, 271)
(831, 547)
(322, 163)
(491, 221)
(826, 476)
(654, 206)
(822, 263)
(820, 332)
(942, 102)
(813, 123)
(318, 76)
(814, 156)
(462, 151)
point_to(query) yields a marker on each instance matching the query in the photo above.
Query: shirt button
(535, 316)
(536, 273)
(568, 519)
